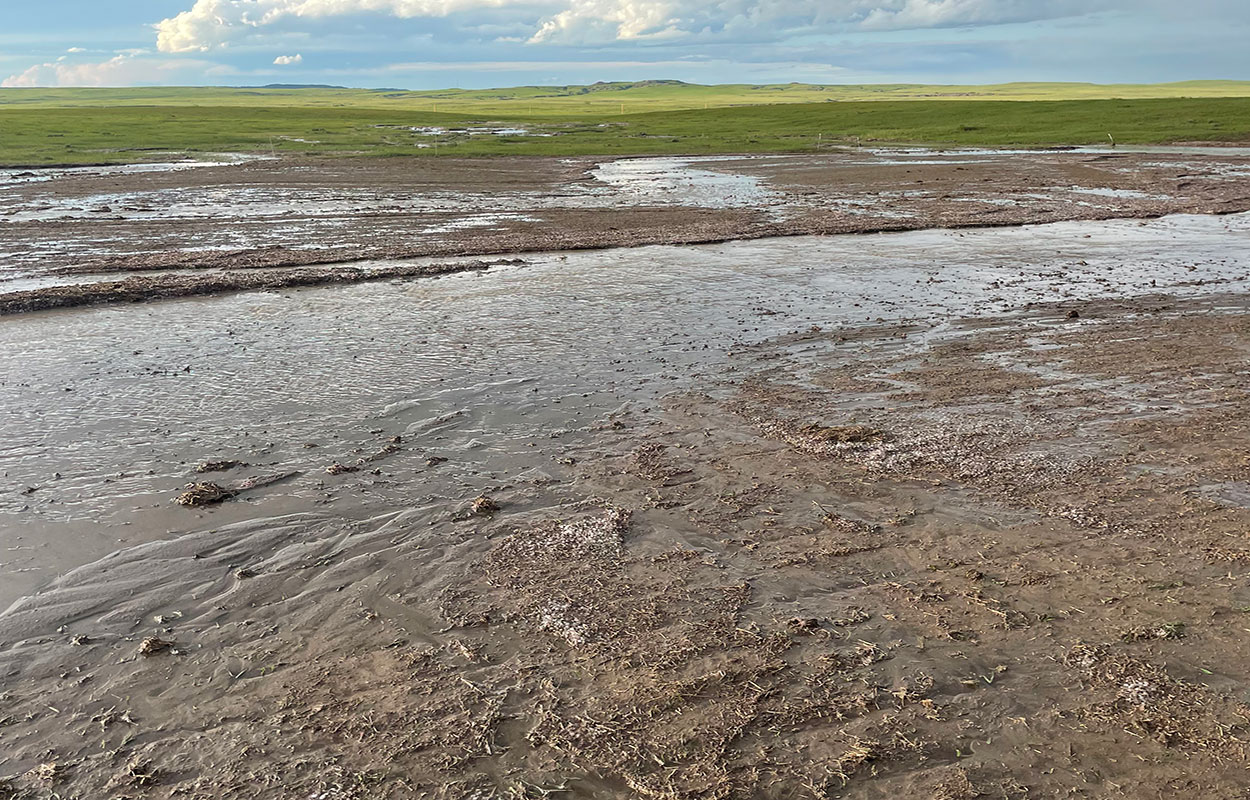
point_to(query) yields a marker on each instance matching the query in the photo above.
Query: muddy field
(934, 514)
(87, 225)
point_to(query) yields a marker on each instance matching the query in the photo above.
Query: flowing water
(104, 412)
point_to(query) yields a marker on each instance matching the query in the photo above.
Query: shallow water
(676, 181)
(51, 229)
(105, 411)
(911, 153)
(628, 182)
(15, 176)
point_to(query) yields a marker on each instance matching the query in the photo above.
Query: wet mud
(804, 517)
(82, 226)
(136, 289)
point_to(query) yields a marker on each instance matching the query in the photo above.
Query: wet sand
(940, 514)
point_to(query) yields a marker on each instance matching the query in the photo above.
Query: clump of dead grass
(1144, 699)
(844, 434)
(48, 773)
(203, 494)
(219, 466)
(153, 645)
(1146, 633)
(651, 463)
(7, 790)
(560, 542)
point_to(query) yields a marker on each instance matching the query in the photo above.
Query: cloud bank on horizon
(215, 23)
(431, 43)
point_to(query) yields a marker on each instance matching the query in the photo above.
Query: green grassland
(605, 98)
(66, 126)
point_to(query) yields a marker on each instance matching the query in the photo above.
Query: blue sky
(424, 44)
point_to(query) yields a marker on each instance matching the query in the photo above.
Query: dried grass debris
(153, 645)
(204, 494)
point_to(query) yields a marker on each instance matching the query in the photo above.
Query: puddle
(685, 182)
(1235, 494)
(1119, 193)
(472, 130)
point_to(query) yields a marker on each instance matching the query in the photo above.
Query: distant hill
(295, 86)
(604, 98)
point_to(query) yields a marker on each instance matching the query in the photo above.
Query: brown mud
(938, 516)
(140, 288)
(1010, 561)
(291, 213)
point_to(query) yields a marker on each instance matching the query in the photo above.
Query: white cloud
(76, 50)
(211, 23)
(120, 70)
(286, 61)
(949, 13)
(216, 23)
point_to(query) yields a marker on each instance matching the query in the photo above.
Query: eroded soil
(83, 227)
(948, 514)
(1006, 560)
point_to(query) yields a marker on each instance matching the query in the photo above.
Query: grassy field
(65, 126)
(606, 98)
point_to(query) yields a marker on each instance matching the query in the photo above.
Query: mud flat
(941, 514)
(86, 226)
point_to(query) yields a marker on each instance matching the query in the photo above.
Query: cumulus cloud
(120, 70)
(216, 23)
(949, 13)
(210, 23)
(285, 61)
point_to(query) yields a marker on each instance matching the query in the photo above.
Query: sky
(429, 44)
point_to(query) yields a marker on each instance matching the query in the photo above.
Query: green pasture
(67, 126)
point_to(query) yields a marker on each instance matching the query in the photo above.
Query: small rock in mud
(434, 461)
(80, 639)
(483, 507)
(340, 469)
(203, 494)
(1074, 314)
(153, 645)
(219, 466)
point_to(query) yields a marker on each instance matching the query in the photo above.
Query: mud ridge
(137, 289)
